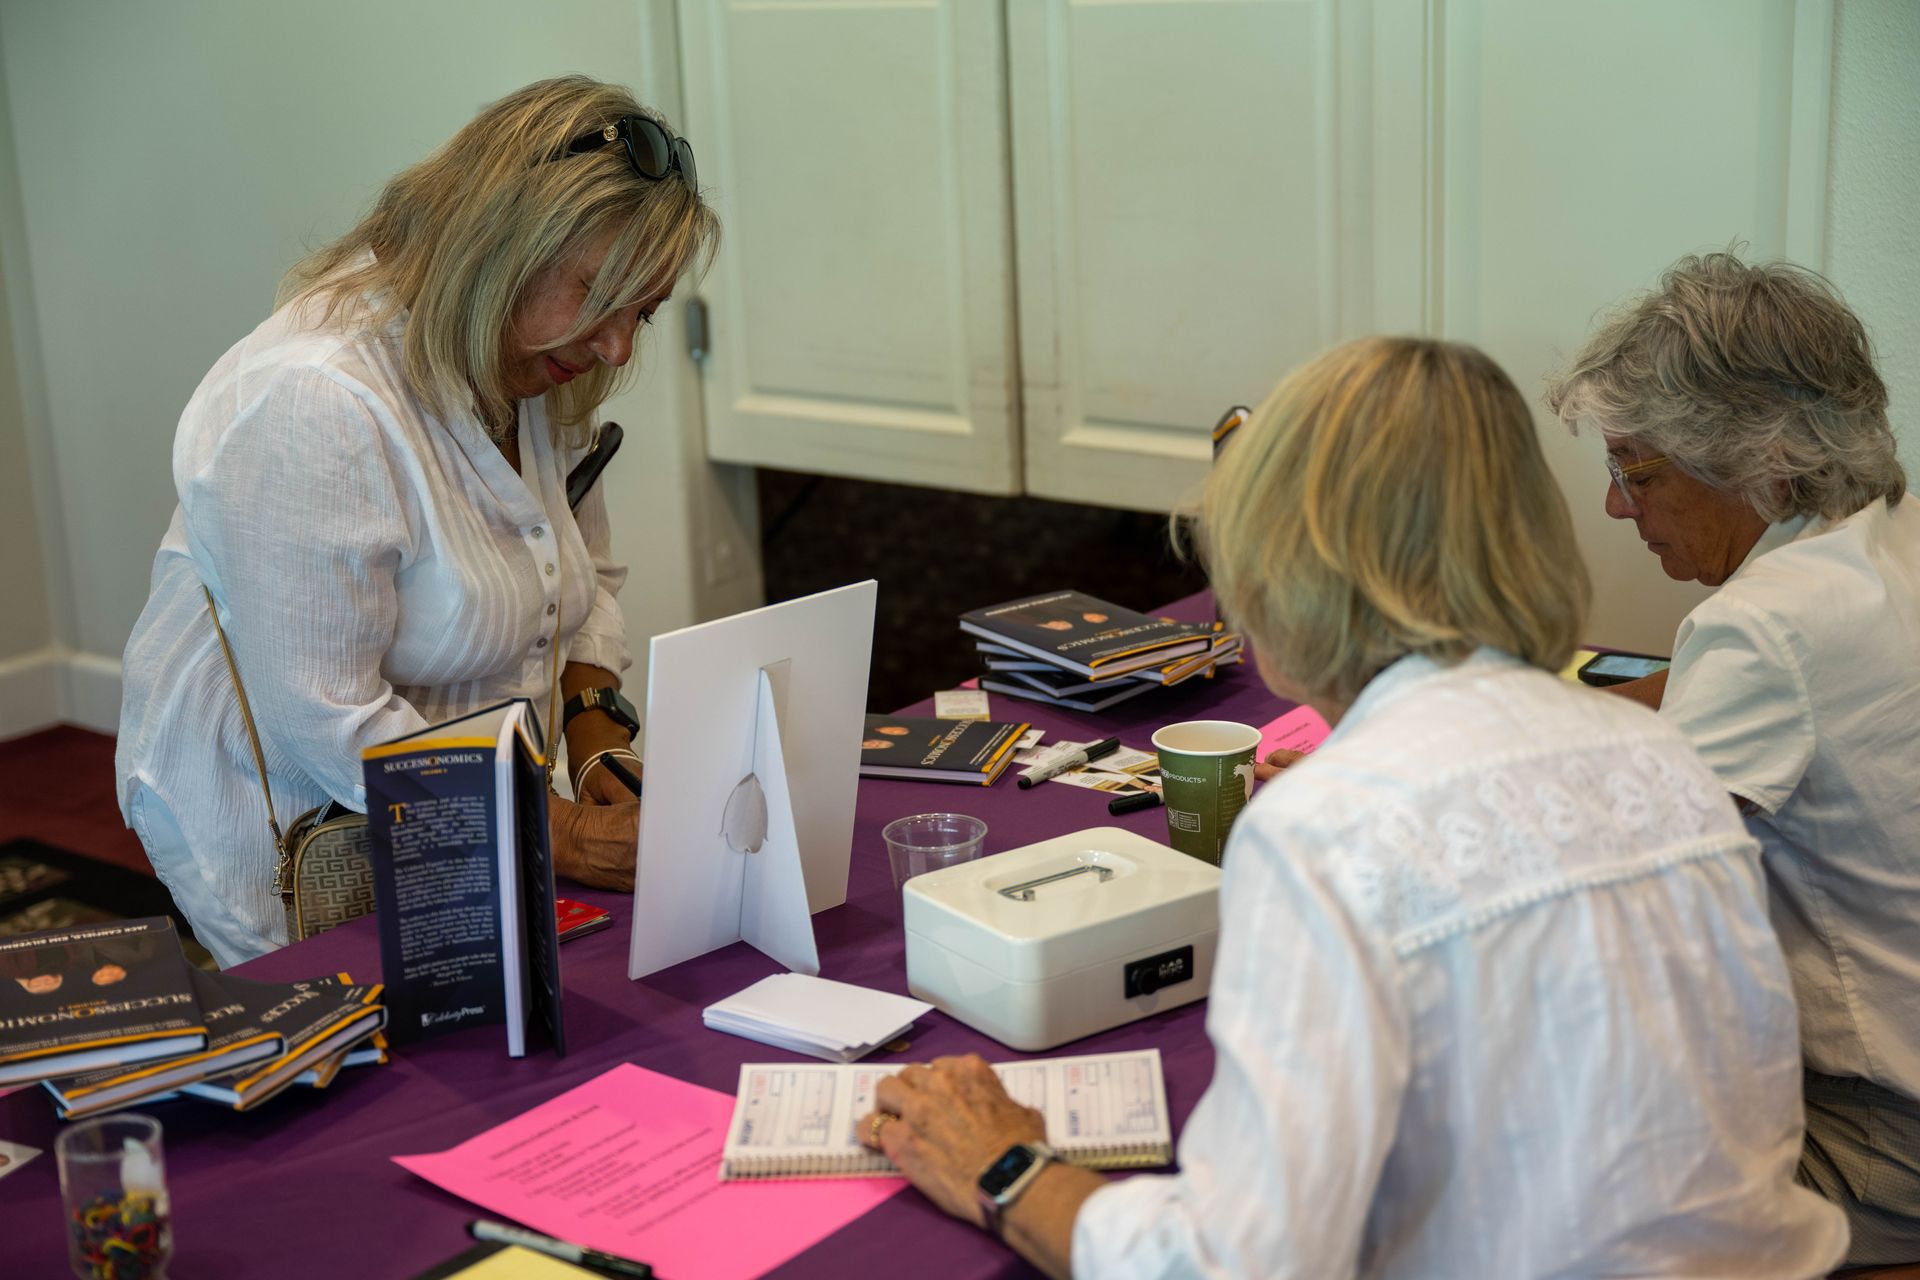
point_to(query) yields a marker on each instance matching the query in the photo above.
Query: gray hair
(1756, 380)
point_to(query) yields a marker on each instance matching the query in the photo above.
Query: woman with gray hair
(1747, 440)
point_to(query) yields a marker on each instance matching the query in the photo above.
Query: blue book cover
(463, 875)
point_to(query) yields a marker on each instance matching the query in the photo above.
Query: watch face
(1005, 1171)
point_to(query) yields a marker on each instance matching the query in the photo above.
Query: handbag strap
(281, 864)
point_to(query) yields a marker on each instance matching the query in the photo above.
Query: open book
(463, 874)
(792, 1120)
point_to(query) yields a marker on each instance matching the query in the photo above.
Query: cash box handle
(1023, 892)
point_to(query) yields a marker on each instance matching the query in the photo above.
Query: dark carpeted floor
(65, 856)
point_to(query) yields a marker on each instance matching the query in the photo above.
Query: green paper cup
(1206, 777)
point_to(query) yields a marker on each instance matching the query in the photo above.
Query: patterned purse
(323, 866)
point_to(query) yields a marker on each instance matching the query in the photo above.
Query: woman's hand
(944, 1124)
(1276, 763)
(594, 844)
(599, 786)
(587, 737)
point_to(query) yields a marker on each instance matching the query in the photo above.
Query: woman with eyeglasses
(1495, 993)
(372, 489)
(1747, 436)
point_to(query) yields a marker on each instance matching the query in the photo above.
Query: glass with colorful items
(113, 1187)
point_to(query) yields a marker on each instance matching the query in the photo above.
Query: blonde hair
(1755, 380)
(456, 239)
(1390, 498)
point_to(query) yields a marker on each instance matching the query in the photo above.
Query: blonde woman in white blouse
(372, 486)
(1496, 994)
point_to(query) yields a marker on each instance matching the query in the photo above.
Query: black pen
(1133, 803)
(622, 775)
(481, 1229)
(1060, 764)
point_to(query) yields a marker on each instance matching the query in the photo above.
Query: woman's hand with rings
(954, 1119)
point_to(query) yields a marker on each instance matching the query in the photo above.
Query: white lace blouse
(377, 570)
(1496, 996)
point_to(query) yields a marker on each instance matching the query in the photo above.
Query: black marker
(480, 1229)
(1133, 803)
(1072, 759)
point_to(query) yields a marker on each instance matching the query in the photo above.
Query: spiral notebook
(793, 1120)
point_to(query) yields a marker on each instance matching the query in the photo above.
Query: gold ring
(878, 1122)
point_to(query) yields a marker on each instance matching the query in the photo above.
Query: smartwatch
(604, 699)
(1008, 1178)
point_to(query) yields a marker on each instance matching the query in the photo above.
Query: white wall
(174, 159)
(162, 164)
(1873, 204)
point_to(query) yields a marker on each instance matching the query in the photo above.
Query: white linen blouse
(1798, 681)
(377, 570)
(1495, 996)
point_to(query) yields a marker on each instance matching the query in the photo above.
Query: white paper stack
(815, 1016)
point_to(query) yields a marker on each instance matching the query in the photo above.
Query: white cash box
(1041, 945)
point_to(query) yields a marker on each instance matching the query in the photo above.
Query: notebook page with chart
(801, 1120)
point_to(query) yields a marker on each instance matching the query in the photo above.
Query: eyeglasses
(1620, 474)
(651, 150)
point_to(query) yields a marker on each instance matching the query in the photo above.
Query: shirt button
(551, 608)
(541, 643)
(549, 571)
(538, 532)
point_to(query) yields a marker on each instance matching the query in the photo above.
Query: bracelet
(580, 774)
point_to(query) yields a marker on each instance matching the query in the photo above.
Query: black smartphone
(588, 469)
(1617, 668)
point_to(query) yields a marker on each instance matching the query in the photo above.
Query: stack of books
(112, 1015)
(1070, 649)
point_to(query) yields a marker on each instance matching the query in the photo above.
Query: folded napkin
(816, 1016)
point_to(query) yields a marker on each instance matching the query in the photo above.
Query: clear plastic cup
(113, 1186)
(929, 841)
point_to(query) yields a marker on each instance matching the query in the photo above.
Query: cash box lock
(1144, 977)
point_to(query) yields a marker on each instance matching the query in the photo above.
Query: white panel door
(1585, 147)
(860, 311)
(1193, 212)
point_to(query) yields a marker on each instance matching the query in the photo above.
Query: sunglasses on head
(651, 150)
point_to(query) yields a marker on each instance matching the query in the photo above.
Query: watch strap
(994, 1205)
(601, 698)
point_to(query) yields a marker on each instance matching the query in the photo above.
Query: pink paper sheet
(1301, 729)
(628, 1163)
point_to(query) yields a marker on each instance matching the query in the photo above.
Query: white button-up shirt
(1495, 997)
(378, 570)
(1799, 683)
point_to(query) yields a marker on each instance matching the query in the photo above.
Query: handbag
(323, 863)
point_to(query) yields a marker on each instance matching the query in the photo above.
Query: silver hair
(1756, 380)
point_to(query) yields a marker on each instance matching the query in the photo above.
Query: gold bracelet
(580, 775)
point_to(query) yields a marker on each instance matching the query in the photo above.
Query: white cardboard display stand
(757, 714)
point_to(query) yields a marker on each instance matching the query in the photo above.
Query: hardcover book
(237, 1036)
(94, 996)
(315, 1020)
(1080, 633)
(1082, 696)
(577, 919)
(463, 875)
(972, 751)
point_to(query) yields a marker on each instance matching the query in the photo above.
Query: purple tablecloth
(305, 1186)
